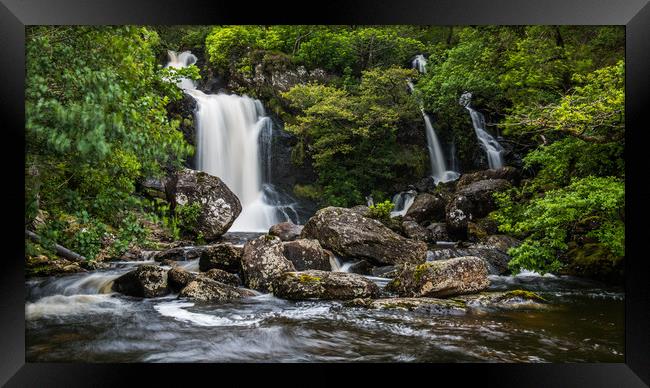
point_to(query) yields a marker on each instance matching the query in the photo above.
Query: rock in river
(444, 278)
(307, 254)
(420, 305)
(349, 234)
(287, 231)
(146, 281)
(219, 206)
(224, 256)
(207, 290)
(323, 285)
(262, 261)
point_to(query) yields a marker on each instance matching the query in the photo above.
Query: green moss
(420, 270)
(528, 295)
(306, 278)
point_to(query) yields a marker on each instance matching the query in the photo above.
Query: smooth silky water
(76, 318)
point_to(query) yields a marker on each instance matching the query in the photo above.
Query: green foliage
(188, 217)
(381, 210)
(591, 206)
(336, 127)
(96, 122)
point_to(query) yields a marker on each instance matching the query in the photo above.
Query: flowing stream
(234, 137)
(493, 149)
(76, 318)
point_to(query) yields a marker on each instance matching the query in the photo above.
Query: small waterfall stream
(491, 146)
(439, 169)
(403, 202)
(234, 137)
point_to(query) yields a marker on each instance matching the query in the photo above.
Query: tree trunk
(61, 251)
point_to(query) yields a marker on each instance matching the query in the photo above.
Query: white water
(439, 170)
(491, 146)
(233, 143)
(179, 61)
(402, 202)
(420, 63)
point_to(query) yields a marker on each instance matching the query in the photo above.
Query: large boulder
(472, 202)
(178, 277)
(262, 261)
(307, 254)
(462, 275)
(219, 206)
(287, 231)
(508, 173)
(426, 207)
(415, 231)
(438, 232)
(224, 256)
(207, 290)
(505, 300)
(349, 234)
(495, 260)
(146, 281)
(323, 285)
(419, 305)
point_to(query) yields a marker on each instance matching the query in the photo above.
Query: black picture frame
(634, 14)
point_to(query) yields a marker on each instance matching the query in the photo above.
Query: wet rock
(349, 234)
(438, 232)
(415, 231)
(219, 206)
(445, 278)
(263, 261)
(387, 271)
(419, 305)
(179, 253)
(41, 265)
(361, 267)
(472, 202)
(361, 210)
(307, 254)
(496, 260)
(207, 290)
(224, 256)
(508, 173)
(323, 285)
(178, 278)
(147, 281)
(287, 231)
(508, 300)
(426, 207)
(223, 277)
(501, 242)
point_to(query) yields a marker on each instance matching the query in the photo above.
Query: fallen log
(60, 250)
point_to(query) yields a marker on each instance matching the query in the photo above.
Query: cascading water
(491, 146)
(233, 142)
(403, 202)
(436, 157)
(420, 63)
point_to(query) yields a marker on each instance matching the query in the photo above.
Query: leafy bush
(381, 211)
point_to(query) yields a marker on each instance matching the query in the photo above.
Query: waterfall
(420, 63)
(179, 61)
(234, 143)
(436, 157)
(491, 146)
(403, 202)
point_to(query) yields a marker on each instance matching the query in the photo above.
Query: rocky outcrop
(178, 278)
(462, 275)
(471, 202)
(219, 206)
(508, 300)
(287, 231)
(307, 254)
(146, 281)
(426, 207)
(41, 265)
(419, 305)
(263, 261)
(323, 285)
(438, 232)
(223, 256)
(415, 231)
(510, 174)
(207, 290)
(223, 277)
(496, 260)
(349, 234)
(501, 242)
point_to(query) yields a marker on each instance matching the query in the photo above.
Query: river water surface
(76, 318)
